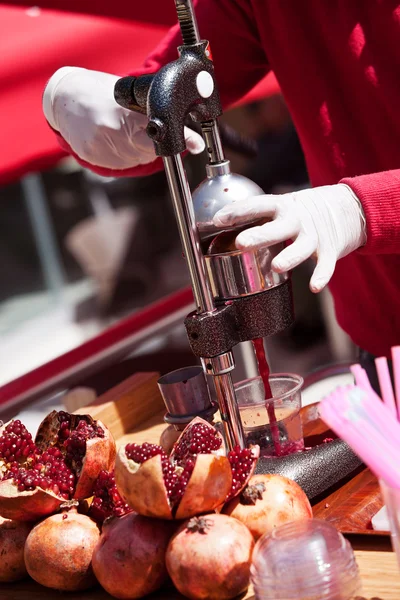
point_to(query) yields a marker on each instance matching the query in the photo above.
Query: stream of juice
(263, 369)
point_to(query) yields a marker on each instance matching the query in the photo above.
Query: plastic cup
(305, 560)
(286, 401)
(391, 497)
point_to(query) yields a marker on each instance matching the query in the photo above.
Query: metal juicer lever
(179, 89)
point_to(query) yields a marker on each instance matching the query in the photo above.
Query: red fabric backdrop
(35, 42)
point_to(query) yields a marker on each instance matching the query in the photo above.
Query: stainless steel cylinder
(186, 395)
(235, 273)
(219, 189)
(218, 365)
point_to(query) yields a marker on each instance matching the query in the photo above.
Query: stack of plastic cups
(305, 560)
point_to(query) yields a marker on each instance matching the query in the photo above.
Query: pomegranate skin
(59, 550)
(129, 559)
(13, 535)
(26, 506)
(168, 438)
(100, 456)
(281, 501)
(213, 562)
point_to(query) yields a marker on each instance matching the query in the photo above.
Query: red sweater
(338, 65)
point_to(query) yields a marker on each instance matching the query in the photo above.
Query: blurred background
(82, 255)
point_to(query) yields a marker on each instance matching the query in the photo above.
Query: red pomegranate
(63, 462)
(129, 559)
(13, 536)
(210, 557)
(267, 502)
(196, 478)
(59, 550)
(106, 501)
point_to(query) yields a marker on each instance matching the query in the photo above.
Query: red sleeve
(379, 194)
(239, 59)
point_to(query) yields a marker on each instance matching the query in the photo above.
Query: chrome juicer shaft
(219, 367)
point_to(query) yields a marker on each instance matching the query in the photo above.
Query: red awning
(35, 42)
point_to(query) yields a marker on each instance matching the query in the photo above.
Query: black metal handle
(170, 95)
(131, 92)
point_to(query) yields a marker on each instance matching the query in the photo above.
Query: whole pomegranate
(267, 502)
(63, 462)
(59, 550)
(129, 559)
(106, 499)
(210, 557)
(13, 536)
(196, 478)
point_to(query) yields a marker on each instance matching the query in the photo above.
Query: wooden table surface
(128, 408)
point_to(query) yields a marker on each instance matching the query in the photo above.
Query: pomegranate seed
(139, 453)
(241, 464)
(75, 443)
(106, 500)
(198, 439)
(16, 442)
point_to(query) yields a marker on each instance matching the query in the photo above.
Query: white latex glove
(327, 222)
(80, 105)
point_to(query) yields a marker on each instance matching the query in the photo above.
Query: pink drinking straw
(344, 411)
(362, 381)
(396, 374)
(385, 384)
(373, 409)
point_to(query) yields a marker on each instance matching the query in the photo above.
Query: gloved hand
(327, 222)
(80, 105)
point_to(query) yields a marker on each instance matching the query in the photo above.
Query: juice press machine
(237, 296)
(181, 90)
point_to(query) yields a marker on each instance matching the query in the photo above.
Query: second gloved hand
(79, 104)
(326, 222)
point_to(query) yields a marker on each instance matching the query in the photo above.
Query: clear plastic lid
(305, 560)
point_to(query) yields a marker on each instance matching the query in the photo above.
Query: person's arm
(75, 109)
(379, 194)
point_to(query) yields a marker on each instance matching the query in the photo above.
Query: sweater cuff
(379, 194)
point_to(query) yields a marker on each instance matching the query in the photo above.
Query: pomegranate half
(196, 478)
(63, 462)
(267, 502)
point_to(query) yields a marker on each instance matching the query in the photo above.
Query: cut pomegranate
(107, 501)
(243, 463)
(62, 463)
(196, 478)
